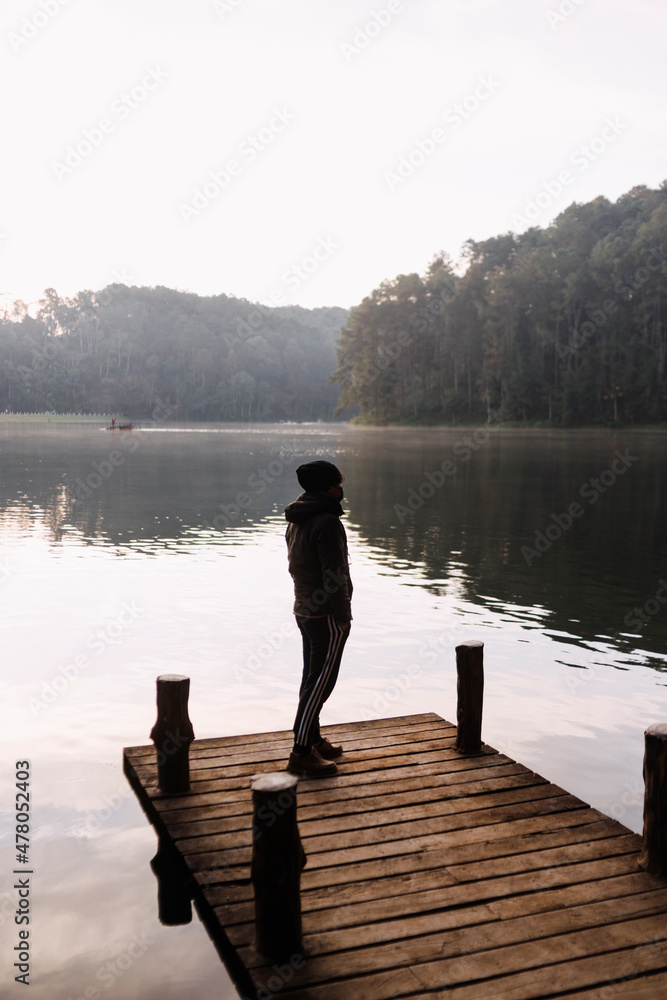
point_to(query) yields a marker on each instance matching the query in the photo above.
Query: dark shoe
(312, 765)
(327, 750)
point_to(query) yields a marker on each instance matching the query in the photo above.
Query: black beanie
(318, 476)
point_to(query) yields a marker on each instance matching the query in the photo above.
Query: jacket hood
(310, 504)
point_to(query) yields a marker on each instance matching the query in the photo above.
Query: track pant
(323, 643)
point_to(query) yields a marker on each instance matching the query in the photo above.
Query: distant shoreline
(56, 418)
(511, 425)
(104, 420)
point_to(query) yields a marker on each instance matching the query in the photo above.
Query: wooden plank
(436, 818)
(468, 941)
(552, 900)
(216, 781)
(412, 804)
(346, 939)
(585, 842)
(566, 817)
(404, 724)
(337, 799)
(618, 948)
(478, 871)
(374, 759)
(513, 848)
(651, 986)
(551, 967)
(321, 917)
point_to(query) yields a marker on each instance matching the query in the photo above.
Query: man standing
(318, 564)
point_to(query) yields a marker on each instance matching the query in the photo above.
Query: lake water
(131, 554)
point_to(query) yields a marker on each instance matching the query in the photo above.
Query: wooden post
(653, 858)
(277, 861)
(470, 692)
(173, 733)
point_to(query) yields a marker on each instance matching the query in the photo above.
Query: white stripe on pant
(308, 712)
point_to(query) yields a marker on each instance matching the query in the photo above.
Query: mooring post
(653, 858)
(173, 733)
(470, 695)
(277, 861)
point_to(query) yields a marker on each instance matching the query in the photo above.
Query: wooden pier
(428, 874)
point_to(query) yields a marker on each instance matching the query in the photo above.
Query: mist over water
(127, 555)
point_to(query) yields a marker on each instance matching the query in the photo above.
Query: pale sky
(351, 141)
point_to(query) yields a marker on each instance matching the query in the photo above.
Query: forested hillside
(127, 350)
(565, 325)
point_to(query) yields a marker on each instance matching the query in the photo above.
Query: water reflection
(471, 534)
(173, 877)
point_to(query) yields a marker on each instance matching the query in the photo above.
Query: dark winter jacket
(317, 556)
